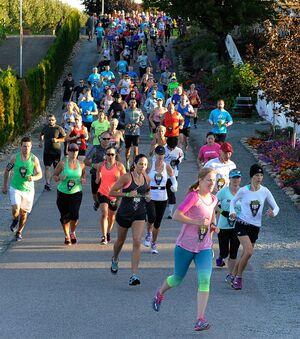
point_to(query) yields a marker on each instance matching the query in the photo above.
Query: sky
(74, 3)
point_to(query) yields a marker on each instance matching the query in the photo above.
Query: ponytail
(194, 187)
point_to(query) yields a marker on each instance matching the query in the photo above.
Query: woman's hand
(270, 213)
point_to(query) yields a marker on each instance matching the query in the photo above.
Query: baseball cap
(160, 150)
(226, 147)
(73, 147)
(235, 173)
(159, 99)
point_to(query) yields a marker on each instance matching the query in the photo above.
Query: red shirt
(172, 122)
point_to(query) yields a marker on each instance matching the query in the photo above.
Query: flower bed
(280, 160)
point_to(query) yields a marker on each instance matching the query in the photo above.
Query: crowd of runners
(134, 87)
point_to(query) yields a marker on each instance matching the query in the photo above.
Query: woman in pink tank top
(108, 173)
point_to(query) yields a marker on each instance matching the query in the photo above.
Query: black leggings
(155, 212)
(171, 195)
(228, 243)
(68, 206)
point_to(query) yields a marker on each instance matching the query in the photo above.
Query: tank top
(171, 122)
(71, 184)
(157, 115)
(193, 98)
(107, 103)
(23, 169)
(67, 117)
(109, 178)
(183, 111)
(81, 142)
(130, 207)
(158, 183)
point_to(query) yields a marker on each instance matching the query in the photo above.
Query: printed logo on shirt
(70, 184)
(254, 206)
(158, 178)
(220, 183)
(202, 231)
(23, 171)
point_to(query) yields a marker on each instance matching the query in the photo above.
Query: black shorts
(94, 186)
(131, 140)
(68, 205)
(155, 212)
(51, 159)
(220, 137)
(186, 131)
(103, 199)
(126, 222)
(87, 125)
(228, 243)
(244, 229)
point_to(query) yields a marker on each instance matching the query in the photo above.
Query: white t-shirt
(171, 156)
(252, 204)
(158, 181)
(222, 171)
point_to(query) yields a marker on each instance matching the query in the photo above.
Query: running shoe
(220, 262)
(170, 216)
(108, 237)
(103, 241)
(237, 283)
(96, 206)
(201, 325)
(14, 224)
(134, 280)
(147, 240)
(154, 248)
(156, 301)
(229, 278)
(68, 242)
(18, 236)
(195, 126)
(73, 238)
(47, 188)
(114, 266)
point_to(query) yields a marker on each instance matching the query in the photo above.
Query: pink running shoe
(237, 283)
(158, 298)
(201, 325)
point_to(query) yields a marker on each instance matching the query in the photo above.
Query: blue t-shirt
(122, 66)
(90, 106)
(159, 95)
(225, 196)
(107, 74)
(175, 98)
(187, 119)
(94, 78)
(133, 74)
(100, 32)
(219, 118)
(97, 93)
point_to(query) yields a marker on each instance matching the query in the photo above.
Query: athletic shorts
(87, 125)
(131, 140)
(51, 159)
(186, 131)
(242, 228)
(103, 199)
(228, 243)
(22, 199)
(94, 186)
(127, 223)
(220, 137)
(82, 152)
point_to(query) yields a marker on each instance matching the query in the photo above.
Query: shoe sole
(135, 283)
(202, 329)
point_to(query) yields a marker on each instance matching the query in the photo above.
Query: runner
(52, 135)
(99, 126)
(70, 173)
(108, 173)
(158, 139)
(88, 109)
(68, 86)
(26, 170)
(159, 172)
(116, 137)
(79, 135)
(132, 120)
(222, 165)
(92, 159)
(195, 101)
(247, 226)
(220, 119)
(134, 188)
(156, 115)
(173, 157)
(228, 241)
(173, 121)
(210, 150)
(194, 243)
(187, 112)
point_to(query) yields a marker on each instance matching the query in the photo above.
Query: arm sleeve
(188, 202)
(271, 201)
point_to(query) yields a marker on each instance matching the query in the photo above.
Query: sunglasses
(105, 138)
(73, 149)
(110, 154)
(51, 120)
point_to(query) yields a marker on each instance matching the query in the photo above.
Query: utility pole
(102, 10)
(21, 39)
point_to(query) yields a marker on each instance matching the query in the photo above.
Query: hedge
(38, 84)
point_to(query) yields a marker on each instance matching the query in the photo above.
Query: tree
(218, 16)
(279, 64)
(95, 6)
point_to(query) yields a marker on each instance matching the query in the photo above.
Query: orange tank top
(171, 122)
(108, 178)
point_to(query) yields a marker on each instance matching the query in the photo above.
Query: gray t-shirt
(134, 118)
(50, 132)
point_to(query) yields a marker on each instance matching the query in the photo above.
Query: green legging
(183, 259)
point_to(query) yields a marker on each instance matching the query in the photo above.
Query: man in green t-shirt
(26, 169)
(99, 126)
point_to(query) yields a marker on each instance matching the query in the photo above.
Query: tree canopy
(95, 6)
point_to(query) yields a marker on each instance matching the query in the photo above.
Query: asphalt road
(49, 290)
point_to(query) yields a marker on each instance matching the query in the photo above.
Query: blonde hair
(202, 174)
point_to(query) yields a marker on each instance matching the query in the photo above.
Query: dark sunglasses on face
(110, 154)
(105, 138)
